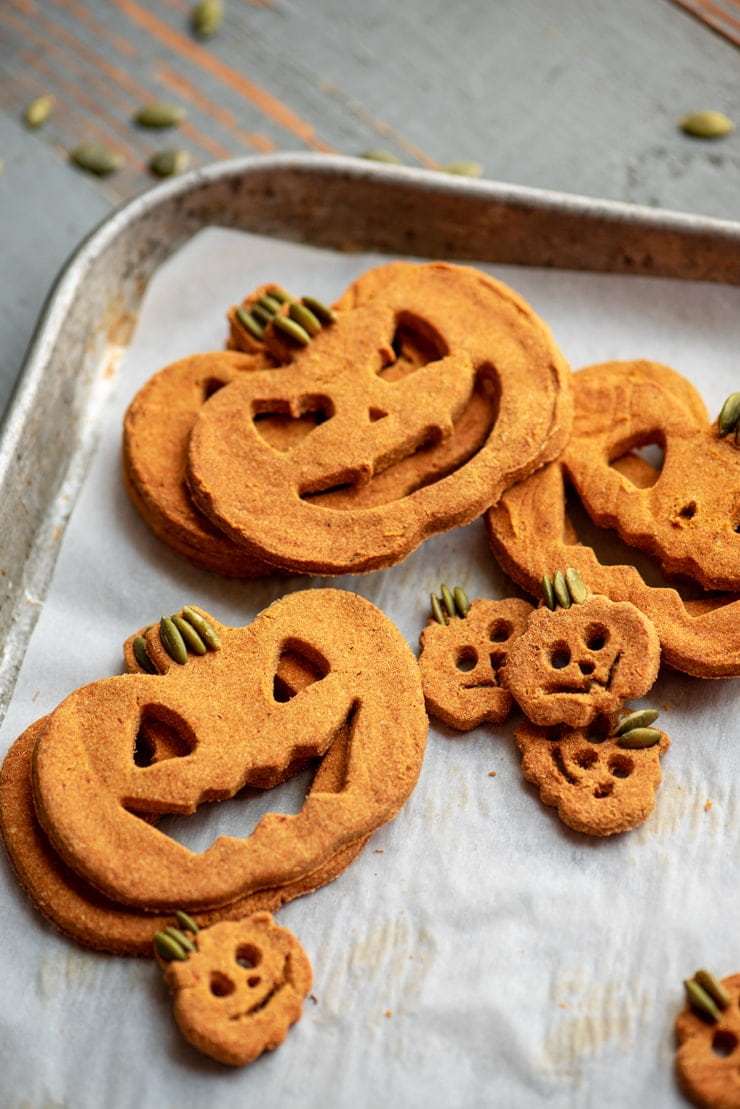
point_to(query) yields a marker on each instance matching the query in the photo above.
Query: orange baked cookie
(231, 730)
(708, 1057)
(484, 342)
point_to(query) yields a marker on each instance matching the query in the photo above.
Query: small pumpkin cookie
(460, 660)
(240, 988)
(708, 1056)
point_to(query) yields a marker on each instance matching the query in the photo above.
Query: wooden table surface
(581, 98)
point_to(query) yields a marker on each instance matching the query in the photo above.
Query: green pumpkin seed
(548, 593)
(39, 110)
(463, 169)
(247, 320)
(142, 656)
(208, 634)
(172, 641)
(168, 163)
(448, 601)
(729, 417)
(270, 303)
(186, 922)
(560, 589)
(576, 586)
(707, 124)
(437, 610)
(637, 738)
(461, 600)
(322, 311)
(305, 318)
(158, 115)
(641, 718)
(179, 937)
(713, 987)
(206, 18)
(279, 294)
(96, 158)
(700, 1000)
(292, 330)
(381, 156)
(167, 948)
(192, 640)
(262, 315)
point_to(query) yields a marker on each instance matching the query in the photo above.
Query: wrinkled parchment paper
(478, 952)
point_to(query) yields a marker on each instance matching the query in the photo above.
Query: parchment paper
(478, 953)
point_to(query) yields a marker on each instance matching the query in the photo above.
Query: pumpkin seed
(270, 303)
(463, 169)
(208, 634)
(381, 156)
(96, 158)
(172, 641)
(167, 948)
(713, 987)
(186, 922)
(437, 610)
(247, 320)
(700, 1000)
(448, 601)
(192, 640)
(158, 114)
(168, 163)
(560, 589)
(637, 738)
(707, 124)
(461, 600)
(729, 417)
(292, 330)
(548, 593)
(180, 937)
(141, 655)
(322, 311)
(576, 586)
(39, 110)
(261, 314)
(206, 18)
(641, 718)
(279, 294)
(305, 318)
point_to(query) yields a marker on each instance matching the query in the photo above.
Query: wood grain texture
(538, 94)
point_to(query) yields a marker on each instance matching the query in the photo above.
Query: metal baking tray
(346, 204)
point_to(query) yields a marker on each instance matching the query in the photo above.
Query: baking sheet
(477, 952)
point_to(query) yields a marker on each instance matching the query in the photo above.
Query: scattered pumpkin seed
(158, 114)
(448, 601)
(39, 110)
(463, 169)
(576, 586)
(713, 987)
(192, 640)
(729, 417)
(707, 124)
(168, 163)
(381, 156)
(292, 330)
(640, 718)
(247, 320)
(560, 589)
(548, 593)
(461, 600)
(142, 656)
(208, 634)
(700, 1000)
(206, 18)
(305, 318)
(437, 610)
(167, 948)
(180, 937)
(270, 303)
(322, 311)
(637, 738)
(186, 922)
(172, 641)
(96, 158)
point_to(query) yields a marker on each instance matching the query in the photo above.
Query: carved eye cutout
(248, 956)
(642, 464)
(296, 671)
(220, 985)
(466, 659)
(501, 630)
(724, 1043)
(560, 656)
(596, 637)
(621, 766)
(415, 345)
(157, 740)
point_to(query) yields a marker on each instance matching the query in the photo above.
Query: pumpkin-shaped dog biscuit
(89, 789)
(708, 1057)
(480, 332)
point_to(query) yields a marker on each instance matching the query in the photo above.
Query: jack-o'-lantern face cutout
(708, 1057)
(242, 988)
(574, 664)
(597, 786)
(460, 661)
